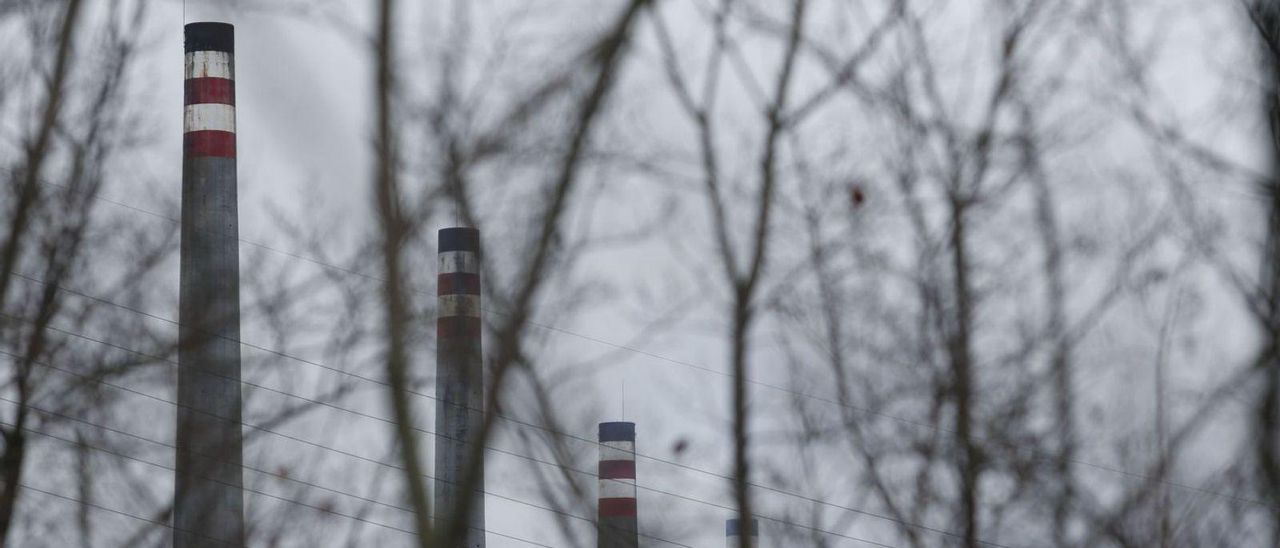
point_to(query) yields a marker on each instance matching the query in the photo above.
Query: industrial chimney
(208, 506)
(617, 507)
(459, 375)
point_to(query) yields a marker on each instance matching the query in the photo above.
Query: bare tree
(979, 251)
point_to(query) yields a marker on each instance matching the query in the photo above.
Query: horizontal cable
(753, 382)
(122, 513)
(489, 493)
(214, 480)
(365, 499)
(311, 444)
(503, 417)
(772, 489)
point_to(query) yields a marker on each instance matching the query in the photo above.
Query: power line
(303, 441)
(513, 420)
(168, 526)
(1105, 468)
(352, 495)
(401, 468)
(249, 489)
(629, 349)
(119, 512)
(248, 467)
(754, 382)
(215, 480)
(552, 431)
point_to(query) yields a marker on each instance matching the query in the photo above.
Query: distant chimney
(459, 375)
(733, 533)
(617, 524)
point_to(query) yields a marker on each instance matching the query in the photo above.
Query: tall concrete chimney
(459, 374)
(208, 506)
(617, 506)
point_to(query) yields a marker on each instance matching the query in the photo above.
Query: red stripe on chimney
(457, 327)
(207, 142)
(617, 469)
(458, 283)
(617, 508)
(210, 90)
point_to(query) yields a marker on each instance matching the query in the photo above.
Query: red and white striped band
(458, 294)
(209, 123)
(617, 479)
